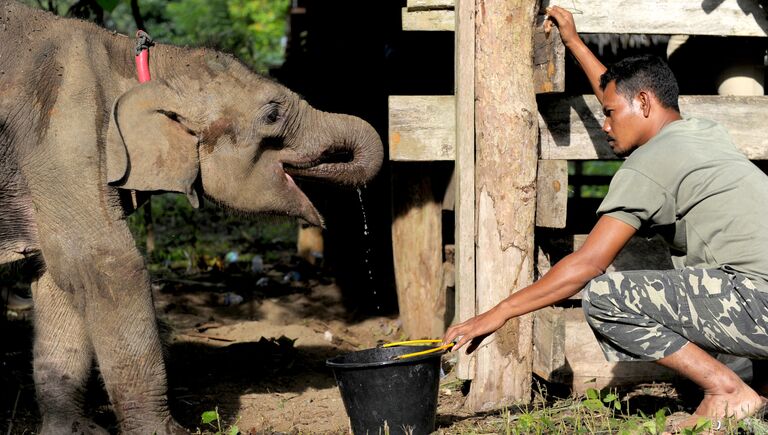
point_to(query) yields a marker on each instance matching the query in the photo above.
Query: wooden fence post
(505, 192)
(417, 248)
(464, 170)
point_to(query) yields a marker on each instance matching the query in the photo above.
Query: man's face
(623, 121)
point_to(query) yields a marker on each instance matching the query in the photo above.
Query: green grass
(595, 412)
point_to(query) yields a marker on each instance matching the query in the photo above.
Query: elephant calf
(81, 140)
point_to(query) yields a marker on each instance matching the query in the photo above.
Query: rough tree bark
(505, 187)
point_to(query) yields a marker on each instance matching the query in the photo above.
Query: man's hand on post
(564, 22)
(475, 330)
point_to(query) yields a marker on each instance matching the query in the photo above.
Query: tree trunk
(505, 186)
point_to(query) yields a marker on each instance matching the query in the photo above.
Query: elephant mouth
(332, 166)
(306, 210)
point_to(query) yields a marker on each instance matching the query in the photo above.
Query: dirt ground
(259, 361)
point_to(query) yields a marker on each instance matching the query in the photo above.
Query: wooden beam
(429, 20)
(679, 17)
(464, 172)
(505, 194)
(551, 193)
(417, 128)
(415, 5)
(571, 127)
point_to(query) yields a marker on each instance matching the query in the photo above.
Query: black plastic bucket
(376, 389)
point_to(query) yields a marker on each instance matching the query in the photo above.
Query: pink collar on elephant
(143, 42)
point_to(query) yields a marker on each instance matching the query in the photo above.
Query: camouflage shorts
(650, 314)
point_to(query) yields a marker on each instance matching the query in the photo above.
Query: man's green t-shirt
(690, 184)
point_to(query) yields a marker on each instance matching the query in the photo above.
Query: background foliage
(252, 30)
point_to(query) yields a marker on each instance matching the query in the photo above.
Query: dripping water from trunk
(367, 254)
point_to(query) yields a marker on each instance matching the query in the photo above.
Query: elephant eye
(273, 113)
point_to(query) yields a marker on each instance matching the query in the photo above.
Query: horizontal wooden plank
(415, 5)
(429, 20)
(571, 128)
(422, 127)
(679, 17)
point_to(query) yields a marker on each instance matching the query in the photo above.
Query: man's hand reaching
(591, 65)
(564, 22)
(475, 329)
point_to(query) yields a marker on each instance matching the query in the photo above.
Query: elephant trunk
(350, 151)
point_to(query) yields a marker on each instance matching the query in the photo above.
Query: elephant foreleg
(62, 360)
(121, 323)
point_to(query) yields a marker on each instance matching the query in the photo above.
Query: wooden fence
(424, 130)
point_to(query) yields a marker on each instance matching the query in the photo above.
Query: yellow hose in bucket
(419, 343)
(412, 343)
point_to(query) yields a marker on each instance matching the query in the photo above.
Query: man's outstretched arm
(589, 63)
(565, 279)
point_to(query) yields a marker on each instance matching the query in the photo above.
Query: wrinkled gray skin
(80, 139)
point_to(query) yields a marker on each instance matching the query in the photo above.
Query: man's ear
(148, 146)
(644, 99)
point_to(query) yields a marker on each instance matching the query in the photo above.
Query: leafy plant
(595, 402)
(213, 420)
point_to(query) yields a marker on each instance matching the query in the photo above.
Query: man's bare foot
(697, 423)
(739, 403)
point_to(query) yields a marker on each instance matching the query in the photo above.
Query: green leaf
(234, 430)
(108, 5)
(702, 424)
(594, 405)
(661, 418)
(609, 398)
(526, 421)
(650, 426)
(210, 416)
(593, 394)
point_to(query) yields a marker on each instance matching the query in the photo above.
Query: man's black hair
(643, 73)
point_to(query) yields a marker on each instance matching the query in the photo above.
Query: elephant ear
(148, 148)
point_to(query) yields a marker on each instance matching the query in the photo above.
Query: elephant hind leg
(63, 357)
